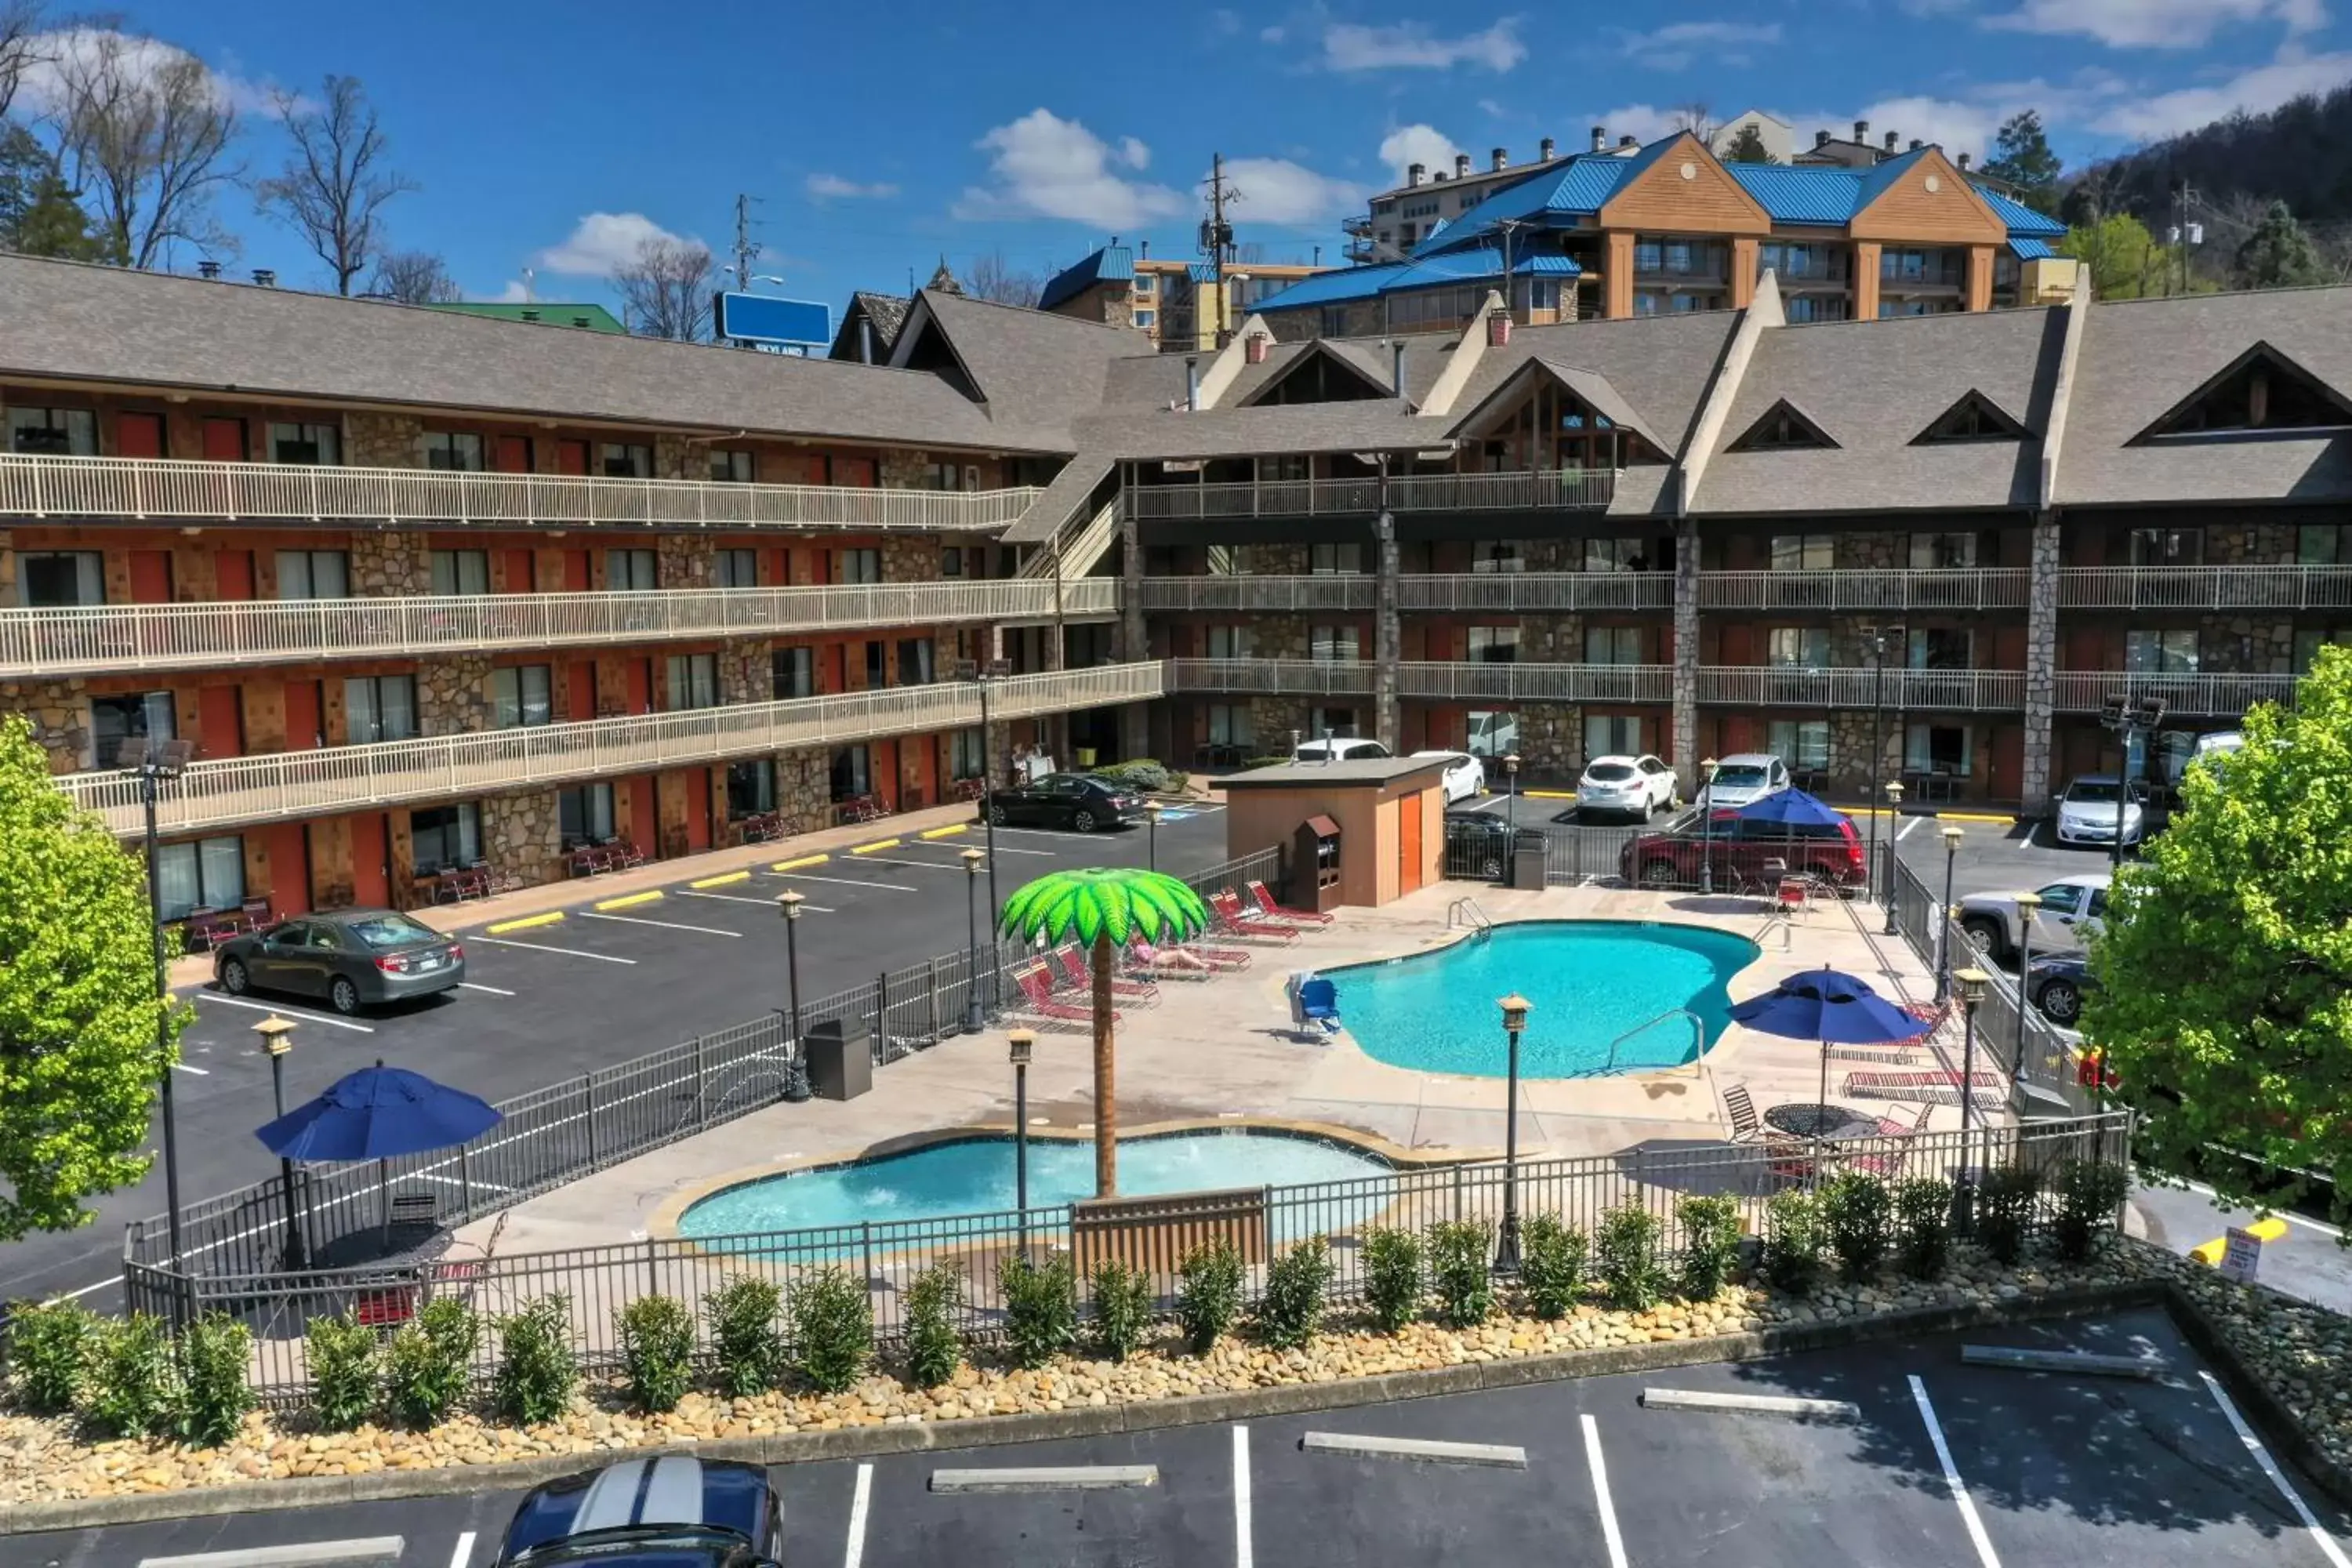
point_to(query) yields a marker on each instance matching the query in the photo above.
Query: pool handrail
(1698, 1038)
(1472, 916)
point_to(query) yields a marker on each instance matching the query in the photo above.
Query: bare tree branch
(414, 278)
(666, 291)
(20, 27)
(992, 278)
(333, 188)
(144, 135)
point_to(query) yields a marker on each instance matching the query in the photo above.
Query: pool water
(1591, 983)
(974, 1175)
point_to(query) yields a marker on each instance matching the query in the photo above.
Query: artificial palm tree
(1104, 906)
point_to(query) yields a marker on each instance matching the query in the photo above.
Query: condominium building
(1179, 306)
(423, 591)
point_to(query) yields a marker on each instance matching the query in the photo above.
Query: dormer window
(1974, 417)
(2262, 390)
(1783, 429)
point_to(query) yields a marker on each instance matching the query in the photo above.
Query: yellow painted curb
(527, 922)
(2211, 1253)
(721, 882)
(878, 844)
(949, 831)
(630, 901)
(796, 865)
(1548, 793)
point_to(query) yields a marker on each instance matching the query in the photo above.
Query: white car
(1744, 778)
(2073, 907)
(2087, 811)
(1465, 777)
(1637, 786)
(1339, 749)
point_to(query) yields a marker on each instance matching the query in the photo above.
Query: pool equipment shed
(1376, 826)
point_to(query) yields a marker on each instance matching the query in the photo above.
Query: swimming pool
(974, 1175)
(1592, 982)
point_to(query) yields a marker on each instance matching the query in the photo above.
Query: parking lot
(1939, 1465)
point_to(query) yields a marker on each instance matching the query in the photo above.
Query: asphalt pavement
(1937, 1465)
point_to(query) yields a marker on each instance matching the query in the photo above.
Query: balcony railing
(305, 783)
(1549, 490)
(177, 491)
(181, 636)
(1941, 589)
(1538, 591)
(1447, 681)
(1293, 676)
(1937, 690)
(2205, 587)
(1352, 590)
(2201, 696)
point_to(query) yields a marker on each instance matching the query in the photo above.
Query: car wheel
(1491, 868)
(1984, 935)
(234, 978)
(996, 815)
(1661, 874)
(343, 997)
(1082, 820)
(2061, 1001)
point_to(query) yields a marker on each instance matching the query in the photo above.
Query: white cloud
(601, 244)
(516, 292)
(1273, 35)
(1675, 45)
(1351, 47)
(1276, 190)
(136, 57)
(2262, 88)
(1645, 122)
(833, 187)
(1422, 144)
(1045, 166)
(2157, 24)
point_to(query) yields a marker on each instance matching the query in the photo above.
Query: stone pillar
(1685, 686)
(1388, 638)
(1135, 718)
(2040, 663)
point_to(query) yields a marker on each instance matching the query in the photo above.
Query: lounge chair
(1036, 989)
(1192, 959)
(1233, 922)
(1910, 1084)
(1075, 965)
(1271, 910)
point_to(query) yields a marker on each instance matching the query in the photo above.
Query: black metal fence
(1743, 857)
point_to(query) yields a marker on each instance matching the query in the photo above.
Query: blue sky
(878, 138)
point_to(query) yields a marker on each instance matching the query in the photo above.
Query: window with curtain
(1497, 556)
(693, 682)
(626, 460)
(732, 466)
(630, 571)
(1803, 553)
(1339, 721)
(1229, 560)
(314, 574)
(1616, 556)
(2324, 544)
(1942, 551)
(141, 716)
(1940, 647)
(857, 567)
(751, 788)
(1797, 648)
(791, 673)
(1334, 644)
(2160, 653)
(1612, 645)
(446, 837)
(460, 572)
(1229, 642)
(2307, 645)
(735, 568)
(1493, 644)
(852, 772)
(305, 442)
(53, 432)
(585, 815)
(380, 708)
(2166, 546)
(521, 695)
(456, 450)
(967, 757)
(1937, 748)
(208, 874)
(915, 655)
(1800, 743)
(1611, 735)
(1230, 725)
(61, 579)
(1334, 560)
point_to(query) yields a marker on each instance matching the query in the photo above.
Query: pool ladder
(1466, 911)
(1698, 1037)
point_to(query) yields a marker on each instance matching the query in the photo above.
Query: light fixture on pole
(973, 1012)
(1511, 783)
(1507, 1249)
(1019, 1045)
(1953, 834)
(2129, 719)
(1874, 639)
(982, 675)
(273, 1031)
(1706, 825)
(1972, 982)
(2028, 905)
(796, 1079)
(1152, 810)
(1894, 809)
(152, 762)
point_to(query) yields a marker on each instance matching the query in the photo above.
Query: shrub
(215, 1394)
(1461, 1271)
(1209, 1294)
(1626, 1257)
(1710, 1245)
(1291, 1310)
(1040, 1309)
(133, 1390)
(1122, 1308)
(1923, 1211)
(537, 1369)
(656, 1351)
(1156, 778)
(430, 1362)
(1392, 1277)
(832, 1330)
(1858, 1217)
(346, 1370)
(1551, 1266)
(744, 1338)
(933, 1349)
(1792, 1241)
(51, 1349)
(2005, 1197)
(2088, 1192)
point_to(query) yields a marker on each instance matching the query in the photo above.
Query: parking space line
(666, 925)
(453, 1181)
(1952, 1475)
(566, 952)
(493, 990)
(840, 882)
(1244, 1551)
(1610, 1535)
(748, 899)
(465, 1553)
(287, 1012)
(860, 1501)
(2270, 1468)
(1909, 824)
(1496, 1456)
(302, 1554)
(183, 1067)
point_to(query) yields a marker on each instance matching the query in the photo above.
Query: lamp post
(1706, 827)
(1019, 1045)
(982, 673)
(796, 1081)
(1507, 1247)
(1894, 808)
(152, 762)
(1511, 783)
(2027, 904)
(1953, 834)
(973, 1013)
(1152, 810)
(1972, 982)
(273, 1031)
(1874, 639)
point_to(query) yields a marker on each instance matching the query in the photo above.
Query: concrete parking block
(1496, 1456)
(631, 901)
(528, 922)
(2079, 1362)
(1749, 1404)
(1047, 1479)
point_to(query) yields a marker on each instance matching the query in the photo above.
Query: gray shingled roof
(1366, 425)
(1060, 501)
(1035, 369)
(1660, 365)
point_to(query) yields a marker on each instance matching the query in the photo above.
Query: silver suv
(2071, 909)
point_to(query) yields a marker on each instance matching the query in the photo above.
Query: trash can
(840, 1061)
(1528, 856)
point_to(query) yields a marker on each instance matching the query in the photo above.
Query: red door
(305, 726)
(371, 869)
(511, 455)
(523, 572)
(643, 828)
(1409, 845)
(221, 723)
(885, 765)
(287, 845)
(641, 685)
(232, 573)
(576, 578)
(150, 577)
(697, 810)
(829, 674)
(225, 441)
(583, 685)
(139, 434)
(572, 457)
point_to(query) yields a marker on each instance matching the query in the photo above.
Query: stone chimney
(1498, 328)
(1546, 149)
(1601, 138)
(1415, 174)
(1253, 348)
(1821, 138)
(1861, 132)
(1461, 165)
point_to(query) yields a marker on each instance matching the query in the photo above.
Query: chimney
(1625, 142)
(1438, 178)
(1546, 149)
(1253, 348)
(1498, 328)
(1502, 157)
(1143, 250)
(1396, 367)
(1890, 140)
(208, 268)
(1461, 165)
(1861, 132)
(1192, 383)
(265, 277)
(1416, 172)
(1601, 138)
(1964, 162)
(1917, 143)
(1821, 138)
(864, 339)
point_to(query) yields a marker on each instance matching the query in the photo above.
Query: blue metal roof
(1578, 187)
(2030, 249)
(1335, 287)
(1871, 184)
(1804, 194)
(1472, 266)
(1111, 264)
(2020, 218)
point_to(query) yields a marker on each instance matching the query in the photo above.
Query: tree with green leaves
(2123, 258)
(81, 1043)
(1748, 146)
(2224, 998)
(2022, 160)
(38, 215)
(2279, 255)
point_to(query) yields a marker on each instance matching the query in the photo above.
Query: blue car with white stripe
(674, 1512)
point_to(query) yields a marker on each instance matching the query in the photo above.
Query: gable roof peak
(1783, 428)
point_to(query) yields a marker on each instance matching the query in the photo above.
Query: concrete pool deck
(1222, 1049)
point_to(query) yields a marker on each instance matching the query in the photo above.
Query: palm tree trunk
(1105, 1092)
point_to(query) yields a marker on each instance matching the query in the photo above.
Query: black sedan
(1077, 801)
(2057, 983)
(673, 1511)
(349, 958)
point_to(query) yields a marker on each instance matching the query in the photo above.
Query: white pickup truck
(2071, 909)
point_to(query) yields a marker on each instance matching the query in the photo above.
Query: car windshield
(1609, 773)
(2083, 790)
(381, 931)
(1739, 778)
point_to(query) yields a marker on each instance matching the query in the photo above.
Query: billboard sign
(764, 319)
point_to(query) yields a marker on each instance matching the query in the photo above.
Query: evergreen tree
(1748, 147)
(2022, 159)
(38, 215)
(2279, 255)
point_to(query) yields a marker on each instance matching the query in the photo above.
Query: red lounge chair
(1232, 922)
(1274, 912)
(1077, 966)
(1036, 985)
(1218, 959)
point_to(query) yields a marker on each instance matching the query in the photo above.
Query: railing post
(465, 1182)
(701, 1092)
(588, 1118)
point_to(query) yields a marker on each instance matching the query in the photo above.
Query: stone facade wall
(1284, 636)
(453, 695)
(1551, 741)
(389, 566)
(2245, 645)
(804, 789)
(59, 711)
(682, 560)
(675, 457)
(2040, 663)
(1551, 639)
(909, 560)
(1272, 718)
(1850, 769)
(1284, 560)
(373, 440)
(745, 670)
(2250, 544)
(524, 834)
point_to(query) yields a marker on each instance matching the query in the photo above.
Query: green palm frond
(1121, 901)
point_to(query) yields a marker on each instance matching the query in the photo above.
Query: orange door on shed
(1409, 845)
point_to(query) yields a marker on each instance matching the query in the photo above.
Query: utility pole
(746, 248)
(1217, 237)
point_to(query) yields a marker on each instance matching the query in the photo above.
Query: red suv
(1828, 853)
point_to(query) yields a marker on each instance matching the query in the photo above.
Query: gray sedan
(350, 959)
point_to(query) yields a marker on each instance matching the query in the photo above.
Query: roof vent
(1623, 142)
(1862, 132)
(1461, 165)
(531, 315)
(1502, 158)
(1964, 162)
(1821, 138)
(1917, 143)
(208, 268)
(1416, 172)
(1891, 140)
(1547, 149)
(1601, 138)
(265, 277)
(1438, 178)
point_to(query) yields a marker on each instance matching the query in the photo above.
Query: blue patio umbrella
(1792, 807)
(374, 1114)
(1830, 1008)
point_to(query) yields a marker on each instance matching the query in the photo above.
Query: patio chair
(1271, 910)
(1036, 987)
(1746, 1127)
(1788, 1158)
(1075, 964)
(626, 855)
(1313, 1005)
(386, 1310)
(1232, 922)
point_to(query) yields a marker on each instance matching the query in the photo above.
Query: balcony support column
(2040, 663)
(1685, 686)
(1387, 637)
(1134, 644)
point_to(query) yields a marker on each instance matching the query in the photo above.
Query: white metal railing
(39, 485)
(1537, 591)
(1941, 690)
(1940, 589)
(305, 783)
(2206, 587)
(171, 636)
(1349, 591)
(1089, 545)
(2205, 695)
(1538, 682)
(1548, 490)
(1311, 677)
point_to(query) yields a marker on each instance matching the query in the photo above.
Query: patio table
(1810, 1118)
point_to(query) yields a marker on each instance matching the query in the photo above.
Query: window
(1144, 283)
(314, 574)
(1782, 429)
(1797, 648)
(1339, 721)
(1938, 749)
(792, 672)
(2160, 653)
(1612, 645)
(446, 837)
(853, 772)
(625, 460)
(915, 661)
(1939, 647)
(1793, 263)
(1942, 551)
(380, 708)
(943, 477)
(460, 572)
(1972, 418)
(693, 682)
(966, 756)
(735, 568)
(2166, 546)
(1332, 560)
(1649, 256)
(2324, 544)
(951, 561)
(1494, 732)
(1801, 309)
(1493, 644)
(1229, 642)
(520, 694)
(1230, 725)
(1333, 644)
(1147, 317)
(1611, 736)
(1803, 553)
(1497, 556)
(878, 673)
(857, 565)
(585, 815)
(53, 432)
(727, 466)
(2308, 644)
(457, 450)
(143, 716)
(61, 579)
(1616, 556)
(1229, 561)
(2264, 391)
(208, 874)
(631, 572)
(1801, 742)
(751, 788)
(305, 442)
